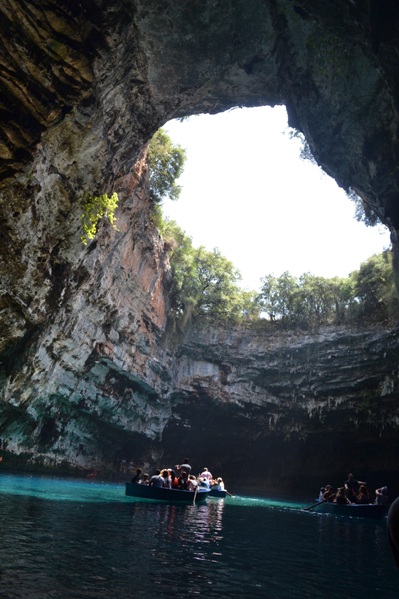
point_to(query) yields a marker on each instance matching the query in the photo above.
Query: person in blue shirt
(156, 480)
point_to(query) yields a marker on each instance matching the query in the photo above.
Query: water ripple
(86, 547)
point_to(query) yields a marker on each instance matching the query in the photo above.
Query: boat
(353, 510)
(215, 492)
(163, 494)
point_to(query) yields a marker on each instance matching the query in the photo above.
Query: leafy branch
(94, 209)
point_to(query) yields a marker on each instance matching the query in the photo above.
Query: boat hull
(361, 510)
(162, 494)
(217, 493)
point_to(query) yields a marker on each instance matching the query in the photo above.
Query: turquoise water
(68, 539)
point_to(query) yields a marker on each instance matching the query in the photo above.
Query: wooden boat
(216, 493)
(163, 494)
(353, 510)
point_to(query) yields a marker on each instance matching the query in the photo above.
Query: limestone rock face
(90, 372)
(279, 407)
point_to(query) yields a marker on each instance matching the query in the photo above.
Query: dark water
(64, 539)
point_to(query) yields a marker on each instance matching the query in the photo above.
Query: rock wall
(284, 409)
(90, 374)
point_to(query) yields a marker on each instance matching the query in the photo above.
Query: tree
(310, 299)
(216, 289)
(287, 287)
(374, 288)
(204, 283)
(365, 211)
(305, 153)
(342, 297)
(181, 257)
(269, 297)
(166, 162)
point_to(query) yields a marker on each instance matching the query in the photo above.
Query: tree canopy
(368, 294)
(166, 162)
(205, 284)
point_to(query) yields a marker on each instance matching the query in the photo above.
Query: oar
(319, 502)
(195, 492)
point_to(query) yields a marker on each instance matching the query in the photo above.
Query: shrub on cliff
(94, 209)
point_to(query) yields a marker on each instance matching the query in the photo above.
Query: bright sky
(246, 191)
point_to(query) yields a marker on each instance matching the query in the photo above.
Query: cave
(83, 343)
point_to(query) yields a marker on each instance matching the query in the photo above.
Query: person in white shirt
(220, 484)
(192, 483)
(206, 474)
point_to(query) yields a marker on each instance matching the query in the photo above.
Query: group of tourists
(179, 477)
(353, 491)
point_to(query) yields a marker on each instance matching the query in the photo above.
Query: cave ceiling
(84, 84)
(136, 64)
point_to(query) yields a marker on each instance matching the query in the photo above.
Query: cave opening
(247, 191)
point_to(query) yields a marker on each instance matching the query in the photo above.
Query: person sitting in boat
(192, 483)
(381, 496)
(144, 480)
(136, 477)
(183, 481)
(173, 479)
(220, 484)
(321, 494)
(206, 475)
(328, 494)
(156, 480)
(185, 467)
(340, 496)
(363, 495)
(167, 484)
(352, 487)
(203, 482)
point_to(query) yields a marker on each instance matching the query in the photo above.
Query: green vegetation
(375, 289)
(206, 285)
(305, 153)
(94, 208)
(166, 162)
(366, 211)
(367, 295)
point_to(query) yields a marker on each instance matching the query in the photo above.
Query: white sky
(247, 192)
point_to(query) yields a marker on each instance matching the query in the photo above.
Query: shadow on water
(66, 539)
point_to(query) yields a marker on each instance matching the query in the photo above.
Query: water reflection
(183, 523)
(223, 548)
